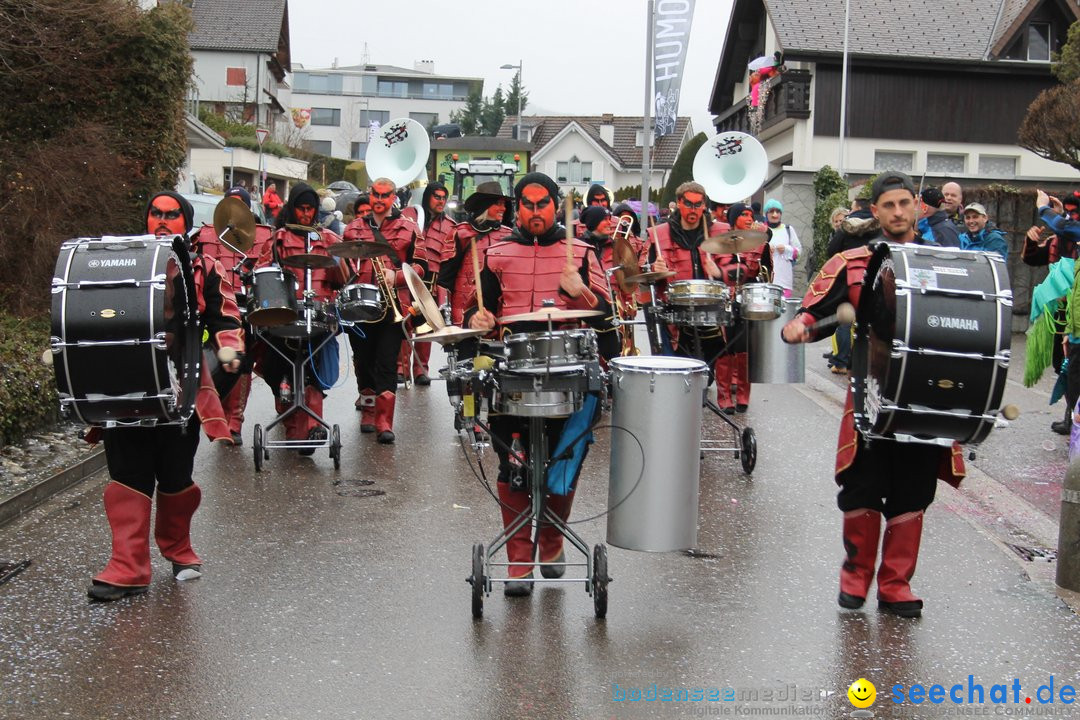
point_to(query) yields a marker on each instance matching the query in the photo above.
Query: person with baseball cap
(979, 236)
(934, 223)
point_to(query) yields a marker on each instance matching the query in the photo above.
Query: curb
(15, 506)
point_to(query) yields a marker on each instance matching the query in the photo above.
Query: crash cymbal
(648, 278)
(309, 260)
(234, 222)
(428, 308)
(734, 241)
(448, 335)
(623, 253)
(360, 249)
(552, 314)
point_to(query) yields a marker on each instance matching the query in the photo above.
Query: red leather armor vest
(678, 258)
(529, 274)
(208, 244)
(438, 242)
(401, 232)
(464, 292)
(324, 281)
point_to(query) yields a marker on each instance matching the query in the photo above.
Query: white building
(344, 102)
(579, 150)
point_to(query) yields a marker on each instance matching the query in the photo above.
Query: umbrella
(764, 61)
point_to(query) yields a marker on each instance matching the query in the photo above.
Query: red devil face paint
(691, 208)
(382, 198)
(536, 209)
(363, 210)
(305, 214)
(496, 211)
(600, 199)
(438, 202)
(745, 220)
(165, 217)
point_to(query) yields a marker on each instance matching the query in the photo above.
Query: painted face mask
(165, 217)
(536, 210)
(382, 198)
(363, 210)
(600, 199)
(305, 214)
(438, 202)
(745, 220)
(496, 212)
(691, 208)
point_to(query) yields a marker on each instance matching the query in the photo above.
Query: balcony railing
(786, 96)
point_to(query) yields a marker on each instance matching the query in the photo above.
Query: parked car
(341, 186)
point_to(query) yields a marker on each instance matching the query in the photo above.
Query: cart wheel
(600, 581)
(257, 447)
(477, 580)
(749, 450)
(335, 446)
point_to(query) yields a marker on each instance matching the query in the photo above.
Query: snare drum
(697, 316)
(761, 301)
(697, 293)
(531, 395)
(558, 351)
(321, 322)
(931, 345)
(125, 331)
(360, 303)
(273, 297)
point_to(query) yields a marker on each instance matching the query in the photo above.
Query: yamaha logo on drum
(952, 323)
(112, 262)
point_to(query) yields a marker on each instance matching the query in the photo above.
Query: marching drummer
(162, 458)
(879, 476)
(532, 265)
(295, 228)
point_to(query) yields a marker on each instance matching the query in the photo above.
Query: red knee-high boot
(403, 359)
(899, 554)
(861, 530)
(128, 571)
(519, 548)
(172, 528)
(722, 371)
(741, 371)
(234, 404)
(366, 405)
(551, 540)
(384, 416)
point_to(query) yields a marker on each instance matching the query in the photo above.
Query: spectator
(954, 200)
(980, 237)
(855, 229)
(329, 217)
(756, 208)
(934, 225)
(784, 246)
(837, 217)
(272, 202)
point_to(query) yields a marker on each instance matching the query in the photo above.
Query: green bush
(250, 143)
(830, 190)
(28, 399)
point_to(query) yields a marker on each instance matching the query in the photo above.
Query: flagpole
(646, 129)
(843, 86)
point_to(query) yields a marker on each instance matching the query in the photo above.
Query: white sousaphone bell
(399, 151)
(731, 167)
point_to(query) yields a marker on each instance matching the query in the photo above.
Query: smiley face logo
(862, 693)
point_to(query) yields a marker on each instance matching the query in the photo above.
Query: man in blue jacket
(979, 236)
(934, 224)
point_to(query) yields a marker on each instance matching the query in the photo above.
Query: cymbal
(649, 278)
(309, 260)
(734, 241)
(448, 335)
(360, 249)
(235, 221)
(428, 308)
(552, 314)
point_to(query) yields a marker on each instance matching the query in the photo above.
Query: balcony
(787, 97)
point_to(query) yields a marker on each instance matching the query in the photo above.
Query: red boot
(551, 540)
(172, 528)
(420, 363)
(861, 530)
(723, 370)
(384, 416)
(234, 404)
(366, 405)
(519, 548)
(741, 374)
(128, 571)
(899, 554)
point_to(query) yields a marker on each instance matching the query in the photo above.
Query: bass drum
(931, 347)
(125, 332)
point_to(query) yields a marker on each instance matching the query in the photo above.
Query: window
(320, 147)
(369, 116)
(308, 82)
(236, 76)
(1039, 42)
(358, 151)
(425, 119)
(574, 171)
(393, 88)
(326, 116)
(945, 164)
(997, 166)
(892, 160)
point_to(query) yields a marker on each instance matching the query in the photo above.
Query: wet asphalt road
(323, 599)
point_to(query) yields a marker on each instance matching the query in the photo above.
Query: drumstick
(476, 272)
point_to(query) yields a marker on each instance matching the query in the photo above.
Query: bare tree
(1050, 128)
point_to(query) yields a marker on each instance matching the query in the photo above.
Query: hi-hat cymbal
(422, 296)
(734, 241)
(360, 249)
(448, 335)
(309, 260)
(235, 221)
(648, 278)
(552, 314)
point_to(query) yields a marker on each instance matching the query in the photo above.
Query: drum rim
(634, 363)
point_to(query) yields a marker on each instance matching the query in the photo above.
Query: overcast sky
(579, 58)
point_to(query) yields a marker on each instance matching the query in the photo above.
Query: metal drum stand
(744, 447)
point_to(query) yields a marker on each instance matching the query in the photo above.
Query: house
(937, 91)
(342, 103)
(579, 150)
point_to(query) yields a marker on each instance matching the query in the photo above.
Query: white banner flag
(671, 35)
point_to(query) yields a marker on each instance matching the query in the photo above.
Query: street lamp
(517, 67)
